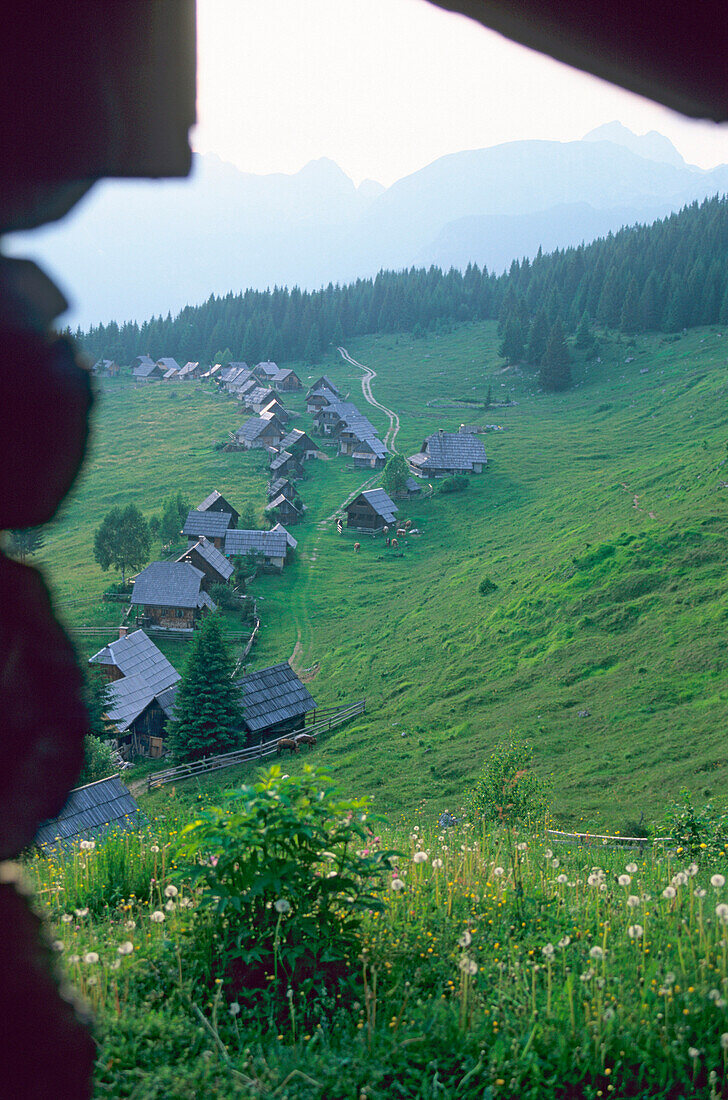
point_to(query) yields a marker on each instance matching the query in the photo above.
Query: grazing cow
(306, 739)
(401, 532)
(287, 743)
(357, 547)
(394, 544)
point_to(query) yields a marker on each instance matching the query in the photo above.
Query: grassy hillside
(600, 520)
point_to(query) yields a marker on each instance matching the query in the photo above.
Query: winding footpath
(366, 388)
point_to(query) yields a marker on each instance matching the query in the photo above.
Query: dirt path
(366, 388)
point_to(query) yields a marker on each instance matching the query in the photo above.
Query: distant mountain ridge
(139, 248)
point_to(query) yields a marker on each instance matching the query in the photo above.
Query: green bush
(487, 586)
(507, 792)
(224, 597)
(282, 886)
(454, 484)
(699, 833)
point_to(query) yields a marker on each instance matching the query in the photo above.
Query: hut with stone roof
(447, 453)
(371, 511)
(203, 555)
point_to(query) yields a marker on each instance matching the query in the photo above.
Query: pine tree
(538, 339)
(512, 346)
(208, 708)
(555, 373)
(584, 336)
(630, 321)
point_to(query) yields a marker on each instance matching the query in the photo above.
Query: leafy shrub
(224, 597)
(98, 762)
(507, 792)
(454, 484)
(487, 586)
(282, 886)
(700, 833)
(119, 589)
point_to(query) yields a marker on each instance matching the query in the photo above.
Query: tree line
(663, 277)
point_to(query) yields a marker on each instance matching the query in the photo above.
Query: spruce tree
(538, 339)
(208, 707)
(512, 346)
(555, 373)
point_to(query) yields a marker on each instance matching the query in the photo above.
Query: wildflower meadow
(283, 942)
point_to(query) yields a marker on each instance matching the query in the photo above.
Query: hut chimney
(440, 431)
(123, 631)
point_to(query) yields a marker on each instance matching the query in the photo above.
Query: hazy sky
(384, 87)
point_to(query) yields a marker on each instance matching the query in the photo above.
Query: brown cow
(306, 739)
(357, 547)
(286, 743)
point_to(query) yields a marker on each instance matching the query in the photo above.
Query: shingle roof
(297, 436)
(267, 367)
(170, 584)
(145, 369)
(381, 502)
(168, 364)
(143, 360)
(280, 459)
(213, 498)
(273, 695)
(282, 499)
(278, 486)
(324, 380)
(126, 699)
(212, 525)
(212, 556)
(411, 486)
(270, 543)
(452, 451)
(137, 655)
(251, 429)
(293, 543)
(89, 812)
(170, 373)
(375, 446)
(283, 373)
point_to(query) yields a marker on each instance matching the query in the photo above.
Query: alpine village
(401, 608)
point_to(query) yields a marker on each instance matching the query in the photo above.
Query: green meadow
(600, 520)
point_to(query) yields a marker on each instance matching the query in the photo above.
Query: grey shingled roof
(251, 429)
(212, 556)
(280, 459)
(168, 364)
(295, 436)
(273, 695)
(452, 451)
(145, 369)
(89, 812)
(269, 368)
(212, 525)
(381, 502)
(411, 486)
(270, 543)
(213, 498)
(375, 446)
(323, 382)
(170, 584)
(281, 499)
(279, 486)
(293, 543)
(126, 699)
(137, 655)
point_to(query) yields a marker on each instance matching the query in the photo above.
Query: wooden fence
(591, 840)
(252, 752)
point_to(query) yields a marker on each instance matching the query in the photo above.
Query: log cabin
(371, 511)
(169, 595)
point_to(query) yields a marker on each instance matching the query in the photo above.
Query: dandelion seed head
(631, 868)
(125, 948)
(170, 891)
(282, 905)
(624, 880)
(669, 892)
(635, 931)
(498, 872)
(717, 881)
(436, 864)
(397, 884)
(596, 952)
(91, 957)
(157, 916)
(419, 857)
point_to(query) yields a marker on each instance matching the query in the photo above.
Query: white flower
(115, 964)
(669, 892)
(157, 916)
(465, 940)
(554, 863)
(693, 870)
(564, 941)
(548, 950)
(521, 846)
(632, 868)
(679, 879)
(234, 1009)
(721, 911)
(635, 931)
(419, 857)
(282, 905)
(397, 884)
(154, 848)
(66, 918)
(498, 872)
(415, 828)
(130, 925)
(693, 1052)
(596, 952)
(586, 976)
(76, 958)
(170, 891)
(58, 945)
(87, 845)
(562, 878)
(81, 912)
(91, 957)
(717, 881)
(436, 864)
(594, 879)
(548, 854)
(468, 966)
(169, 905)
(608, 1014)
(724, 1041)
(700, 892)
(624, 880)
(125, 948)
(633, 901)
(185, 903)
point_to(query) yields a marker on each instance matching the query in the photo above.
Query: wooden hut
(371, 510)
(275, 702)
(169, 595)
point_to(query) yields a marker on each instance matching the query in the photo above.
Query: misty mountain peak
(651, 146)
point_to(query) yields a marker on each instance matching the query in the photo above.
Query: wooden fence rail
(603, 841)
(252, 752)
